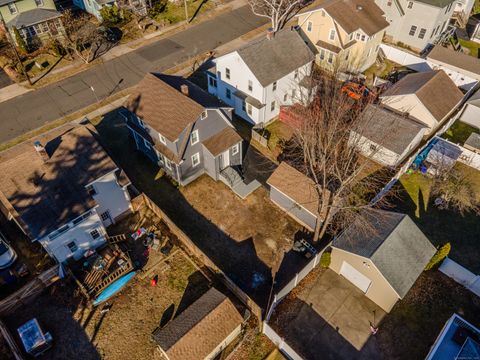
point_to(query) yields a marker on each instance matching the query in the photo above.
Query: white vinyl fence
(280, 343)
(461, 275)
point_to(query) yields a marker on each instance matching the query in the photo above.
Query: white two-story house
(63, 190)
(258, 78)
(416, 23)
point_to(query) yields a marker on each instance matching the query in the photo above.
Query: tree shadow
(197, 11)
(48, 70)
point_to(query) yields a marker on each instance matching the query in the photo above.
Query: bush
(325, 259)
(437, 259)
(21, 44)
(158, 8)
(111, 14)
(57, 48)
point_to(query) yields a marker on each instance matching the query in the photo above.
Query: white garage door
(355, 276)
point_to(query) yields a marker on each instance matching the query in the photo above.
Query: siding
(380, 291)
(471, 115)
(293, 209)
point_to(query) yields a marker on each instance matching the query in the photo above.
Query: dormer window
(12, 8)
(39, 3)
(204, 115)
(162, 139)
(194, 137)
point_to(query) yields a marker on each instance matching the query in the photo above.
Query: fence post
(296, 279)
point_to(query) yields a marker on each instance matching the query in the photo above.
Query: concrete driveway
(330, 320)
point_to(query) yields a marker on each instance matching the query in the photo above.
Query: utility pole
(186, 10)
(12, 44)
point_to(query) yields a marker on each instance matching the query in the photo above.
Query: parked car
(7, 254)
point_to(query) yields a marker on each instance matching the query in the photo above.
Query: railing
(231, 176)
(115, 239)
(111, 278)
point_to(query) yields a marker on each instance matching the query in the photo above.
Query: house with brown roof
(294, 193)
(184, 130)
(63, 190)
(202, 331)
(428, 97)
(346, 33)
(442, 58)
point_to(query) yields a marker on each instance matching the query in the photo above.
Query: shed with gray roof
(383, 254)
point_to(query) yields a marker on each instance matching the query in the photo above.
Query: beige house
(384, 259)
(345, 33)
(202, 331)
(429, 97)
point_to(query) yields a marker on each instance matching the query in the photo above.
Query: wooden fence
(29, 291)
(188, 245)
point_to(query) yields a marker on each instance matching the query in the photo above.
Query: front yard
(442, 226)
(245, 238)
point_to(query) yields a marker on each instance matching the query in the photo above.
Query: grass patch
(441, 226)
(459, 132)
(471, 46)
(175, 12)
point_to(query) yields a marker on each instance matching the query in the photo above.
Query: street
(36, 108)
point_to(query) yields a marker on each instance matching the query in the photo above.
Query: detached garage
(384, 258)
(295, 193)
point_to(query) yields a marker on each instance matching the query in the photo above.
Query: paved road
(36, 108)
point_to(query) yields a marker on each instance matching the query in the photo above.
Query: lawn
(459, 132)
(471, 46)
(441, 226)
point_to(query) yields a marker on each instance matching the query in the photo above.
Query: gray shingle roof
(33, 17)
(473, 141)
(388, 129)
(270, 60)
(397, 247)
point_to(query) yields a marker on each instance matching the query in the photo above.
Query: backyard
(442, 226)
(459, 132)
(245, 238)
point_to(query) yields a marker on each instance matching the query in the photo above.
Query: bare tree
(82, 36)
(326, 147)
(278, 11)
(455, 189)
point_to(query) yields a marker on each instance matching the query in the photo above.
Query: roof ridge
(403, 217)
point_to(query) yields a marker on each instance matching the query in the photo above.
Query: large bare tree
(325, 147)
(82, 36)
(278, 11)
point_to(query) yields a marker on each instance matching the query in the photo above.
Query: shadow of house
(54, 311)
(237, 258)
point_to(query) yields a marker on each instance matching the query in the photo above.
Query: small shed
(294, 193)
(383, 259)
(202, 331)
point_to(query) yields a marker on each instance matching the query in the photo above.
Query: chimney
(41, 150)
(270, 33)
(184, 89)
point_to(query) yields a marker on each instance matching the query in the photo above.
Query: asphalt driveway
(329, 319)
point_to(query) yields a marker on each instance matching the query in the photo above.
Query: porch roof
(33, 17)
(222, 141)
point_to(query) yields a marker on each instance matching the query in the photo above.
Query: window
(12, 8)
(227, 73)
(250, 85)
(91, 190)
(72, 246)
(410, 5)
(413, 30)
(147, 144)
(204, 115)
(422, 33)
(309, 26)
(347, 54)
(249, 109)
(228, 93)
(95, 234)
(285, 97)
(44, 27)
(322, 54)
(244, 105)
(194, 137)
(363, 37)
(235, 149)
(39, 3)
(350, 38)
(272, 106)
(274, 86)
(195, 159)
(331, 36)
(330, 58)
(212, 82)
(162, 139)
(105, 216)
(357, 36)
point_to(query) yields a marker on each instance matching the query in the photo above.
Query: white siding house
(260, 77)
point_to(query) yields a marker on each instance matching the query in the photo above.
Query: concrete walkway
(461, 275)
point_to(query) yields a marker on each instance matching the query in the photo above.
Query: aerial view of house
(239, 179)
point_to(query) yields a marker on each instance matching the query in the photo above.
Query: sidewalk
(15, 90)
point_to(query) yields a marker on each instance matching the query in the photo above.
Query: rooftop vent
(40, 149)
(184, 89)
